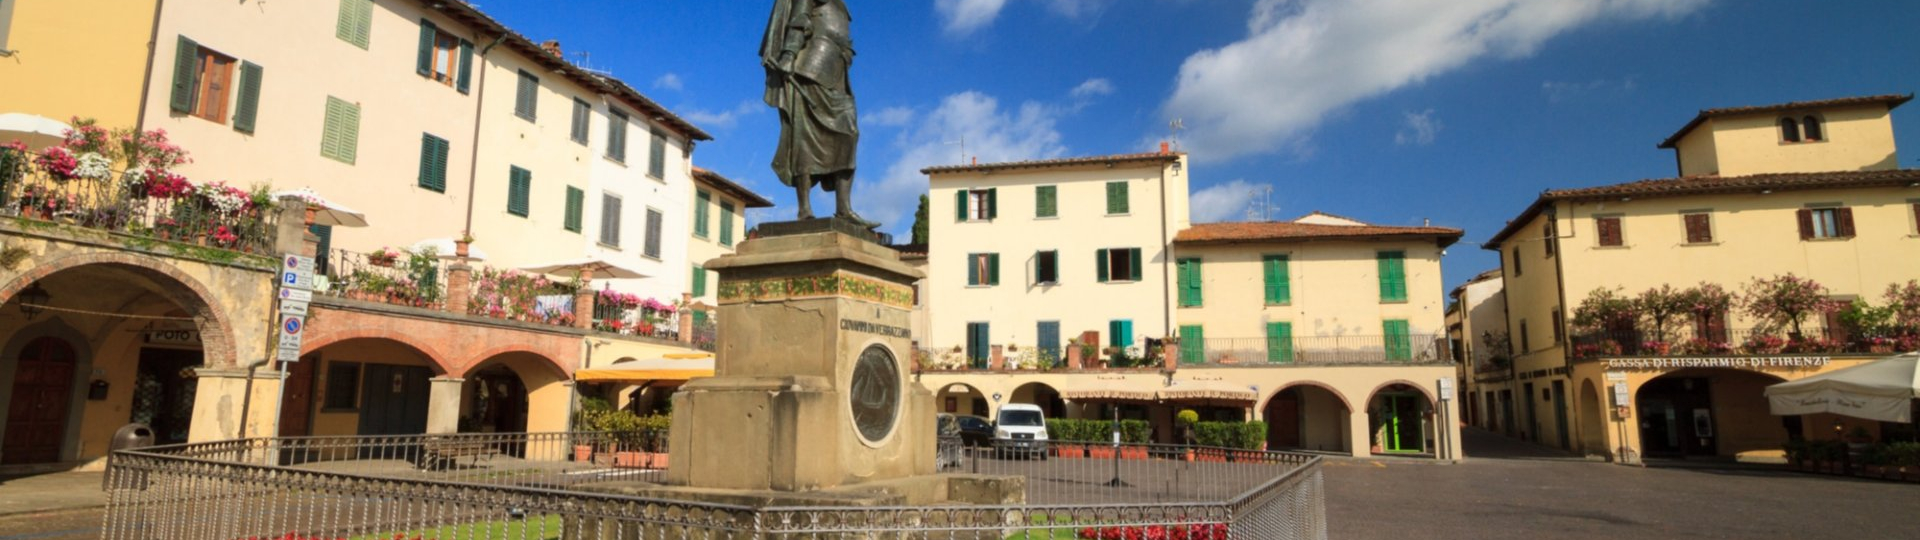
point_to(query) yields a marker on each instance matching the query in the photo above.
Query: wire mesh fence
(526, 486)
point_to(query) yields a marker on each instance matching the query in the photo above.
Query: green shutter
(248, 110)
(1279, 290)
(1193, 345)
(960, 206)
(527, 96)
(1102, 265)
(726, 223)
(1393, 276)
(340, 132)
(186, 76)
(1117, 202)
(423, 62)
(355, 23)
(973, 269)
(1115, 333)
(1133, 256)
(466, 66)
(519, 190)
(1399, 345)
(702, 201)
(699, 281)
(576, 207)
(433, 163)
(993, 269)
(1280, 342)
(1190, 284)
(1046, 201)
(993, 203)
(657, 155)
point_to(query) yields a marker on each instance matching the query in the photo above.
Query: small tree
(922, 230)
(1904, 301)
(1786, 300)
(1604, 309)
(1705, 301)
(1659, 306)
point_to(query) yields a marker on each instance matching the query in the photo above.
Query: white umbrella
(599, 268)
(1880, 390)
(36, 131)
(444, 248)
(326, 212)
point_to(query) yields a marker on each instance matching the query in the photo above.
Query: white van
(1021, 429)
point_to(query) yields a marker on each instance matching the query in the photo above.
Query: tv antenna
(1259, 208)
(963, 148)
(586, 64)
(1174, 128)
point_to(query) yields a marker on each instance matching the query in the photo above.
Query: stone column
(290, 230)
(220, 395)
(999, 361)
(443, 405)
(459, 287)
(686, 317)
(1073, 356)
(1170, 354)
(583, 300)
(1359, 433)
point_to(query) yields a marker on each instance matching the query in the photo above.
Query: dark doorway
(163, 393)
(393, 399)
(1403, 423)
(296, 405)
(1532, 425)
(1508, 424)
(1676, 417)
(37, 410)
(1560, 414)
(1283, 415)
(498, 403)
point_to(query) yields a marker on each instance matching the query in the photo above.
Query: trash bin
(128, 437)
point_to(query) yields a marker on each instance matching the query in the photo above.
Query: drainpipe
(1166, 260)
(479, 106)
(146, 77)
(246, 401)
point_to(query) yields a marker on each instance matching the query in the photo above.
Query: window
(976, 204)
(699, 281)
(325, 245)
(1827, 222)
(1557, 323)
(1607, 229)
(582, 120)
(1399, 341)
(1117, 202)
(1046, 268)
(1916, 218)
(1275, 275)
(654, 220)
(977, 344)
(1048, 338)
(433, 163)
(202, 79)
(340, 134)
(1280, 342)
(1546, 236)
(726, 223)
(657, 155)
(1789, 130)
(610, 214)
(576, 203)
(446, 59)
(343, 386)
(356, 22)
(1119, 265)
(617, 136)
(983, 269)
(1699, 226)
(519, 190)
(1120, 333)
(1046, 201)
(527, 99)
(1515, 259)
(1193, 344)
(1526, 344)
(1189, 282)
(701, 202)
(1811, 128)
(1393, 276)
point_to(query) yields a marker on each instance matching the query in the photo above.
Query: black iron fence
(526, 486)
(1315, 350)
(1731, 342)
(391, 277)
(157, 206)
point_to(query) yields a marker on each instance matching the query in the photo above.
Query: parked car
(1021, 429)
(975, 430)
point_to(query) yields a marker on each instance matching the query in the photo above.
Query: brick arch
(321, 339)
(553, 367)
(1316, 384)
(216, 329)
(1431, 402)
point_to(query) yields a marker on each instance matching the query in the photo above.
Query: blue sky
(1390, 111)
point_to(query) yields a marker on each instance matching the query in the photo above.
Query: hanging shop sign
(1747, 362)
(173, 337)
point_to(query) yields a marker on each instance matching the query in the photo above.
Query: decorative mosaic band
(807, 287)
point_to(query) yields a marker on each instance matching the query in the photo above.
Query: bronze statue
(807, 51)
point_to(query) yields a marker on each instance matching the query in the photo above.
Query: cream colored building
(1821, 200)
(717, 215)
(1477, 326)
(38, 42)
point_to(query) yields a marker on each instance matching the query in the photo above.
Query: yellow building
(1477, 328)
(1811, 192)
(718, 217)
(99, 71)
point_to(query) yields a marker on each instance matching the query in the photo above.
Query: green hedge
(1068, 430)
(1239, 435)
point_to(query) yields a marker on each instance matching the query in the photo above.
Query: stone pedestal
(811, 389)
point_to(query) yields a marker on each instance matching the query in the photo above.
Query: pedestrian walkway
(50, 492)
(1482, 444)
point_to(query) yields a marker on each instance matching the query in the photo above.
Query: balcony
(1737, 342)
(145, 210)
(1353, 350)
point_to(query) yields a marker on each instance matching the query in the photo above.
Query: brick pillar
(459, 287)
(686, 317)
(999, 359)
(1170, 354)
(290, 227)
(1073, 356)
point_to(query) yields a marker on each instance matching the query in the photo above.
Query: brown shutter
(1610, 231)
(1699, 230)
(1717, 327)
(1845, 217)
(1916, 217)
(1806, 223)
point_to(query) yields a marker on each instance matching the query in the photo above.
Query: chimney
(1165, 148)
(552, 46)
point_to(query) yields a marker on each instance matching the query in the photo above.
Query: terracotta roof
(911, 251)
(467, 13)
(1891, 101)
(1711, 185)
(1287, 231)
(728, 186)
(1060, 162)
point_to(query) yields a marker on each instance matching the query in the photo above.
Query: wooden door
(37, 413)
(1284, 415)
(296, 407)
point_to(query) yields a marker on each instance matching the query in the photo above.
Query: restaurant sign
(1747, 362)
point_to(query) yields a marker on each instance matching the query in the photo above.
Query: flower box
(657, 460)
(1069, 451)
(632, 460)
(1208, 455)
(583, 453)
(1100, 452)
(1133, 452)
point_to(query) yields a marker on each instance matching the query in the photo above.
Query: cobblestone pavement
(1515, 490)
(81, 524)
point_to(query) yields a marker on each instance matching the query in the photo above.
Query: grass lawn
(532, 528)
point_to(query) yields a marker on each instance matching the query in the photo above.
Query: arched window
(1813, 129)
(1789, 130)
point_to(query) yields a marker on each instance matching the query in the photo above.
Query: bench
(440, 453)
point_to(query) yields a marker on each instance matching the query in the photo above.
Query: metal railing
(1314, 351)
(401, 278)
(375, 488)
(1731, 342)
(127, 203)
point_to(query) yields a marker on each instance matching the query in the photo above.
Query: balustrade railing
(389, 277)
(159, 208)
(1315, 350)
(1735, 342)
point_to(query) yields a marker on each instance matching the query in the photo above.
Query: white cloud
(1558, 91)
(1091, 88)
(889, 117)
(992, 133)
(1222, 202)
(1303, 59)
(1420, 130)
(963, 17)
(669, 81)
(726, 118)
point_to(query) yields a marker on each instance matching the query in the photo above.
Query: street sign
(290, 331)
(291, 307)
(1446, 388)
(1616, 376)
(1620, 397)
(297, 272)
(295, 295)
(288, 355)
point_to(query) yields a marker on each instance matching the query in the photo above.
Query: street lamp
(33, 299)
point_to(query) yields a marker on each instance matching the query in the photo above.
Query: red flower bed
(1213, 531)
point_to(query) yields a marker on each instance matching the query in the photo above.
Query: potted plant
(1135, 434)
(655, 431)
(1250, 441)
(1065, 436)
